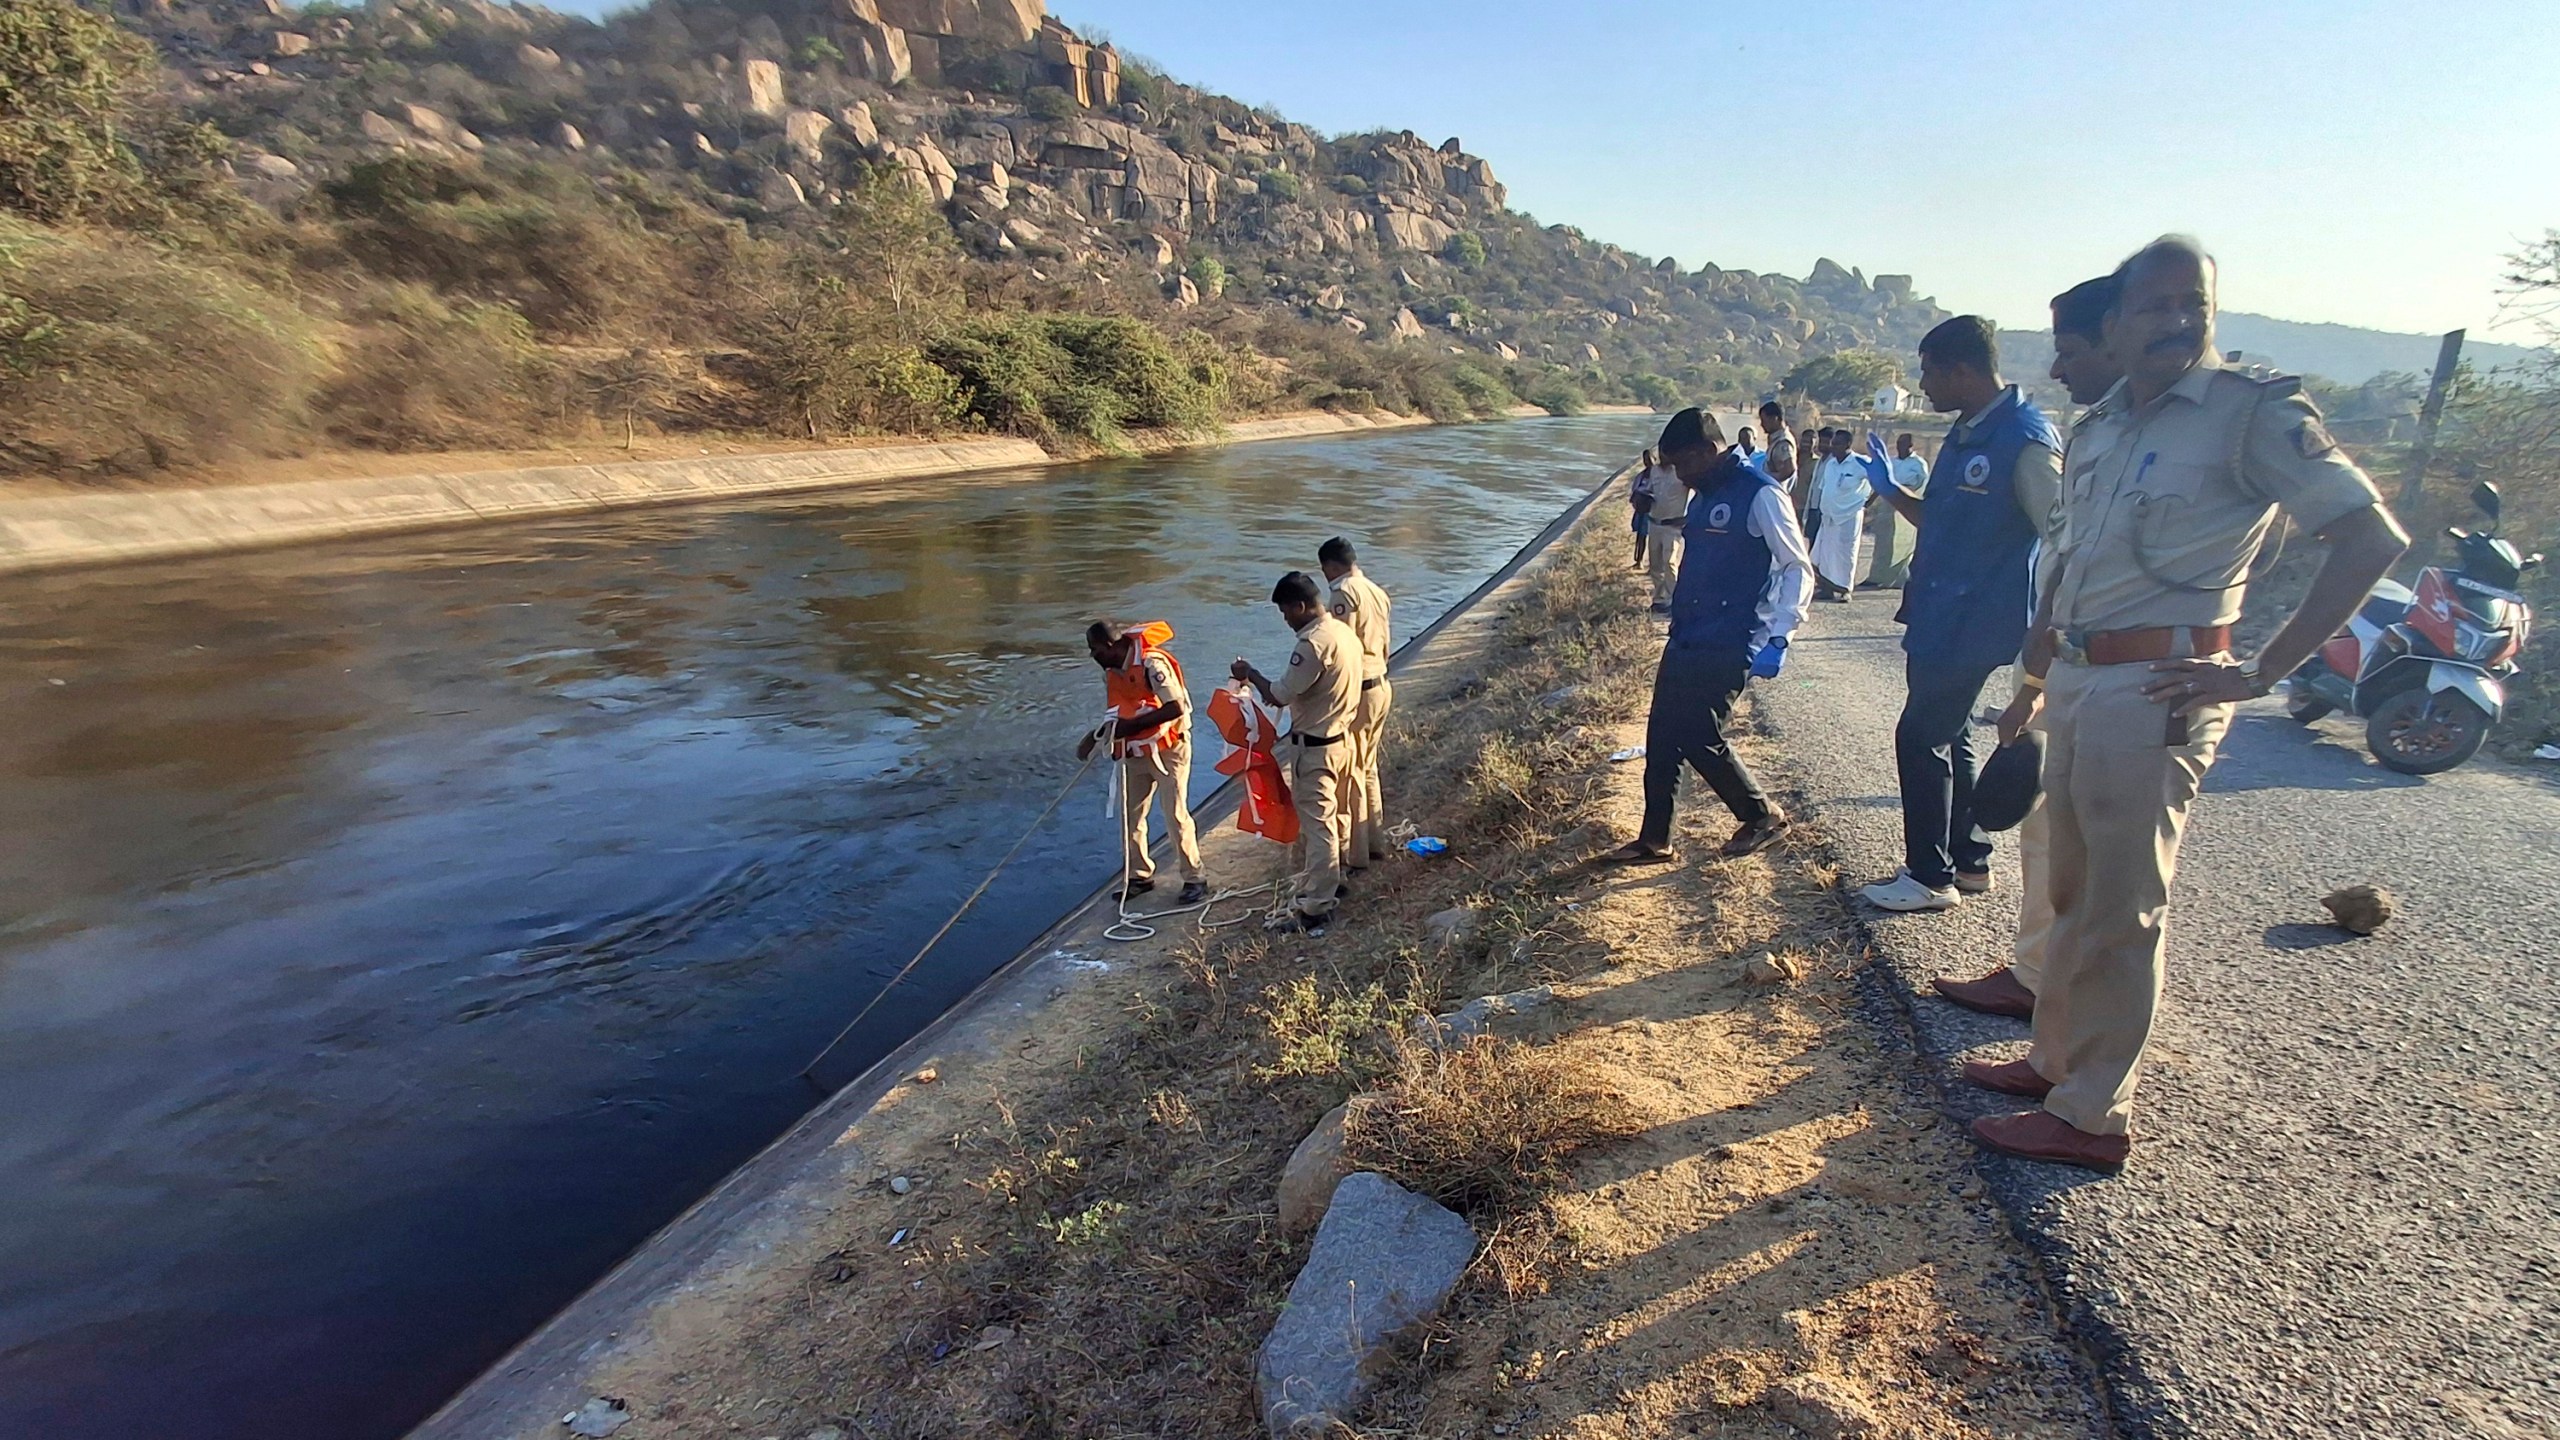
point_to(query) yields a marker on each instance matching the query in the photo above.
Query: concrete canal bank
(57, 531)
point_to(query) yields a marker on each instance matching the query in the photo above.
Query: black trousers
(1933, 751)
(1693, 695)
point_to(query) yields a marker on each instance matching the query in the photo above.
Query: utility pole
(2429, 416)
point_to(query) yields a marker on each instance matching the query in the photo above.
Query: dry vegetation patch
(1709, 1206)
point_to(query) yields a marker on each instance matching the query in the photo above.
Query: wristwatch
(2259, 685)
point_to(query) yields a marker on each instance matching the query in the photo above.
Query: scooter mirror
(2487, 498)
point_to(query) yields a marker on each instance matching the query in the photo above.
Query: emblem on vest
(1977, 473)
(1719, 515)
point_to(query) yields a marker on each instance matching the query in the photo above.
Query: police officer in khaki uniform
(1321, 689)
(2171, 490)
(1360, 604)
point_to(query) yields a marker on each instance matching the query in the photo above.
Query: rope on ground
(1133, 927)
(904, 970)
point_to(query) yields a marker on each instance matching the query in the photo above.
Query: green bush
(1090, 378)
(116, 354)
(1209, 274)
(818, 49)
(1656, 391)
(67, 77)
(1048, 102)
(1464, 250)
(1280, 184)
(1350, 184)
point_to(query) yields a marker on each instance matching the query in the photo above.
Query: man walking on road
(1991, 498)
(1741, 594)
(1663, 521)
(1840, 493)
(2084, 366)
(1360, 604)
(2175, 481)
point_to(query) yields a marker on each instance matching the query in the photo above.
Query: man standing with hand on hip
(1991, 497)
(1741, 593)
(2175, 483)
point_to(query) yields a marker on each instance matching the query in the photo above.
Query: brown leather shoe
(1757, 836)
(2040, 1135)
(2009, 1077)
(1997, 993)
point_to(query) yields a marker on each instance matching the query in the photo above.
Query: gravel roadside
(2340, 1214)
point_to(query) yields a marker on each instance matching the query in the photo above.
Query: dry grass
(1092, 1248)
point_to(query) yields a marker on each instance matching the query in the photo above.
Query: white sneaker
(1903, 894)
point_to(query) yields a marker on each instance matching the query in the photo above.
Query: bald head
(2162, 323)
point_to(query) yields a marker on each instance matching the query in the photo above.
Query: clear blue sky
(2361, 162)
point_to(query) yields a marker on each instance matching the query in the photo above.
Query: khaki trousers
(1140, 781)
(2116, 798)
(1662, 559)
(1367, 842)
(1318, 776)
(2035, 894)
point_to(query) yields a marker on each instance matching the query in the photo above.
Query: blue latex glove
(1766, 660)
(1879, 469)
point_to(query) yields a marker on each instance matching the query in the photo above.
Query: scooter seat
(2389, 603)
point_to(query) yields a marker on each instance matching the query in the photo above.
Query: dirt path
(1071, 1230)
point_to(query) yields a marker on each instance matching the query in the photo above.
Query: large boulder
(760, 87)
(1004, 23)
(1405, 326)
(878, 53)
(1384, 1259)
(805, 131)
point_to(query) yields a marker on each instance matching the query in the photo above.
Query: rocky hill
(1043, 151)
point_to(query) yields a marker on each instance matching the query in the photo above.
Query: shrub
(1280, 184)
(826, 364)
(818, 49)
(1656, 391)
(422, 373)
(67, 76)
(1350, 184)
(528, 236)
(1048, 102)
(1464, 250)
(1209, 274)
(116, 354)
(1487, 1124)
(1054, 378)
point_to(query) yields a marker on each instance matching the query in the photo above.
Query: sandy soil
(1081, 1239)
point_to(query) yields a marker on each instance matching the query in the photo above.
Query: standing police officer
(1321, 688)
(2173, 490)
(1991, 498)
(1741, 593)
(1360, 604)
(2087, 369)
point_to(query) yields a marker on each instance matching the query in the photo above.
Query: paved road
(2343, 1215)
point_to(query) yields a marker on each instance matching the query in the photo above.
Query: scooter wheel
(2306, 707)
(2422, 732)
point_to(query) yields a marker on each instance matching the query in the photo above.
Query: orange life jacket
(1249, 731)
(1131, 694)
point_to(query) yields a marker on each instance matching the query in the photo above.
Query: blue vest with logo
(1724, 568)
(1969, 595)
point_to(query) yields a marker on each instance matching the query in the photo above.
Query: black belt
(1673, 521)
(1316, 740)
(1373, 682)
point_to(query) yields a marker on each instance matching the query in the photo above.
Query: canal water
(394, 934)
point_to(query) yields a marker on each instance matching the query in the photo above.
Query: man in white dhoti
(1841, 490)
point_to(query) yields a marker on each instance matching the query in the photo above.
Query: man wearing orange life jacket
(1360, 604)
(1150, 735)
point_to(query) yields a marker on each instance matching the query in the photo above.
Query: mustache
(2168, 343)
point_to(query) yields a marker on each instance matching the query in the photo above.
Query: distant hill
(2345, 353)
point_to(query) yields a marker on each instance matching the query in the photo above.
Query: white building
(1892, 400)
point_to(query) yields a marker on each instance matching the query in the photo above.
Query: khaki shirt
(2166, 505)
(1321, 687)
(1166, 684)
(1360, 604)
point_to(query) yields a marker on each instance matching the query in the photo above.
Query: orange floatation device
(1132, 694)
(1250, 730)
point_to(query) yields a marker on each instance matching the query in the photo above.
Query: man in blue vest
(1992, 495)
(1743, 580)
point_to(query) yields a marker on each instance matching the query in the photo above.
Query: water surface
(394, 934)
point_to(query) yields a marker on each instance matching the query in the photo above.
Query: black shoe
(1661, 609)
(1341, 892)
(1134, 888)
(1296, 924)
(1194, 891)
